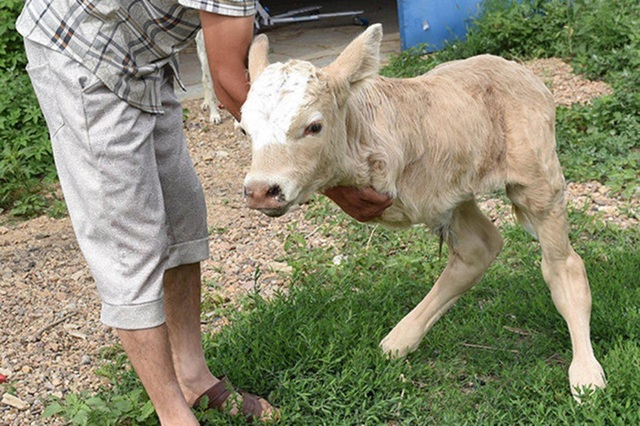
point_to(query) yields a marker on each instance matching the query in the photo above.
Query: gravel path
(50, 333)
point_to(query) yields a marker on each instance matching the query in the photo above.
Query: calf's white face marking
(275, 101)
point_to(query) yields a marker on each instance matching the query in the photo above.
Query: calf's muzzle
(265, 197)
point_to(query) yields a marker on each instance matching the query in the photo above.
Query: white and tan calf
(432, 142)
(210, 101)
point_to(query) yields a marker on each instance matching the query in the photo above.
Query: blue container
(435, 21)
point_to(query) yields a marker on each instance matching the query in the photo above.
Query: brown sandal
(219, 393)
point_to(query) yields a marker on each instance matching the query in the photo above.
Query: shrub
(26, 159)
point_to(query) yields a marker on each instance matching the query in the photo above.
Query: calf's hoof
(214, 112)
(585, 376)
(215, 118)
(398, 343)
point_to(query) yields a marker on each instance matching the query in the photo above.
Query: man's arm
(227, 40)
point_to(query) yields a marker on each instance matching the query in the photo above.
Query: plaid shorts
(134, 199)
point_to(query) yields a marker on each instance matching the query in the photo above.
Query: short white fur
(276, 98)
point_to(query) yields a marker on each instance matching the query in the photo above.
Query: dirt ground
(50, 333)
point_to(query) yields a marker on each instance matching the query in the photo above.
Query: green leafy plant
(11, 52)
(26, 159)
(83, 409)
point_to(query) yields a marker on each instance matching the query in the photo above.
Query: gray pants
(135, 201)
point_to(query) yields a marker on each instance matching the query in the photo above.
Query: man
(103, 72)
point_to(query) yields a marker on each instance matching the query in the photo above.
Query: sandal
(219, 393)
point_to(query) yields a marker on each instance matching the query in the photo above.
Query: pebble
(339, 259)
(14, 401)
(282, 267)
(78, 334)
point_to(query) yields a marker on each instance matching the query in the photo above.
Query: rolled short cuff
(187, 253)
(133, 317)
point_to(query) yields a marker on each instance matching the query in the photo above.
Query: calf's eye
(313, 129)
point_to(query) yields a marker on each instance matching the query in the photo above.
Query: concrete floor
(316, 41)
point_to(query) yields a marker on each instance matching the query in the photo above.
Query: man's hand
(362, 204)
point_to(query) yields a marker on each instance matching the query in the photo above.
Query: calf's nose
(262, 195)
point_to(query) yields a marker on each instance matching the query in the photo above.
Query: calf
(432, 142)
(210, 102)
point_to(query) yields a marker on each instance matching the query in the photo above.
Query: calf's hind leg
(565, 275)
(473, 244)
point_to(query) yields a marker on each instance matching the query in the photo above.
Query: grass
(500, 356)
(314, 351)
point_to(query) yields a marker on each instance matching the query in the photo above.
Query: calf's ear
(258, 56)
(359, 60)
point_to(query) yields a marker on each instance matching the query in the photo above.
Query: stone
(14, 401)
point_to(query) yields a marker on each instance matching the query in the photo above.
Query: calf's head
(295, 115)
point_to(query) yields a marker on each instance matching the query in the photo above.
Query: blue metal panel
(434, 21)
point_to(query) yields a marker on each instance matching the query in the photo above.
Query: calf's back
(436, 140)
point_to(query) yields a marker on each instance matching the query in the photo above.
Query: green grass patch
(602, 141)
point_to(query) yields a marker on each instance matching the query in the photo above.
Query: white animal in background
(434, 143)
(210, 102)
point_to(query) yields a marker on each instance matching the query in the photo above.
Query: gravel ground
(50, 333)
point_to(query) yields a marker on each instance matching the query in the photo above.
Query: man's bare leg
(150, 354)
(169, 359)
(182, 289)
(156, 352)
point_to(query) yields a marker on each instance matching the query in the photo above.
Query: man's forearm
(227, 40)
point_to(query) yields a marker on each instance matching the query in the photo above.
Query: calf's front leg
(473, 244)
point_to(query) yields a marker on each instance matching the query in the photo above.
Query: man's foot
(222, 396)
